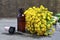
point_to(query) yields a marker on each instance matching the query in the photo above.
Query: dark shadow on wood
(26, 35)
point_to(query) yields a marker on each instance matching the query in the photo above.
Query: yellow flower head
(53, 29)
(42, 7)
(37, 18)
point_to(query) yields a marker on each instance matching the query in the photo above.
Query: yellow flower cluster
(39, 20)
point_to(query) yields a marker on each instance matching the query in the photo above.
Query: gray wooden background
(8, 8)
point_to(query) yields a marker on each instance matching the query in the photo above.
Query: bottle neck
(21, 11)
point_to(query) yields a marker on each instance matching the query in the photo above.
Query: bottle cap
(6, 28)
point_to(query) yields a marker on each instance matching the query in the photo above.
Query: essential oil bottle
(21, 20)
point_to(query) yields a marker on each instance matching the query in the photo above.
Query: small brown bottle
(21, 21)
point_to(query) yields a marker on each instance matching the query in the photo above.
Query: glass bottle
(21, 21)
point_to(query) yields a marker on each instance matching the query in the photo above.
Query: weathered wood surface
(8, 8)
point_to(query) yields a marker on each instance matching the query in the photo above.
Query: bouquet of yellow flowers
(39, 20)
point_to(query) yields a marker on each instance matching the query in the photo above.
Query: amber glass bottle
(21, 21)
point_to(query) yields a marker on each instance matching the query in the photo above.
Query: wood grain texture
(8, 8)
